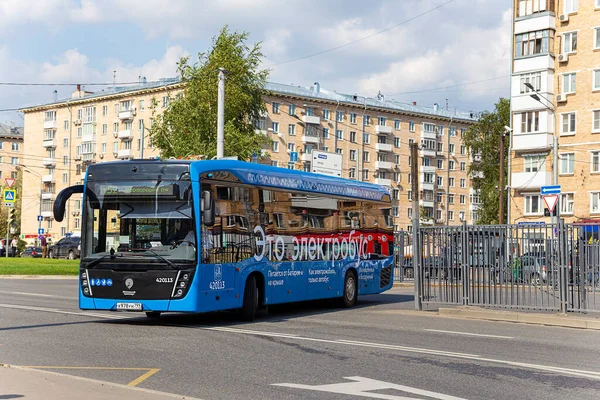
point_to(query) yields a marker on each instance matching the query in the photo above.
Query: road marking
(142, 378)
(57, 311)
(135, 382)
(39, 295)
(469, 334)
(361, 387)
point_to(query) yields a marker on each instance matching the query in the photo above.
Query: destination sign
(139, 191)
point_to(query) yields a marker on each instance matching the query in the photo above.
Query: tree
(483, 139)
(189, 125)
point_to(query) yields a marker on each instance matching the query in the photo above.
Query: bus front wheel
(250, 303)
(350, 289)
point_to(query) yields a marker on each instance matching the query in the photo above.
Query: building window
(352, 118)
(275, 108)
(397, 124)
(463, 198)
(116, 127)
(451, 198)
(534, 79)
(569, 42)
(597, 33)
(397, 159)
(411, 126)
(596, 79)
(274, 163)
(596, 121)
(566, 203)
(165, 101)
(66, 126)
(325, 133)
(571, 6)
(440, 181)
(440, 164)
(103, 148)
(409, 213)
(291, 129)
(396, 142)
(310, 112)
(339, 116)
(595, 202)
(451, 165)
(141, 104)
(352, 173)
(65, 143)
(365, 175)
(463, 166)
(530, 121)
(365, 156)
(452, 131)
(533, 43)
(451, 149)
(14, 160)
(533, 204)
(381, 121)
(451, 182)
(463, 183)
(352, 137)
(595, 163)
(352, 155)
(567, 163)
(528, 7)
(409, 195)
(366, 120)
(365, 138)
(568, 123)
(15, 146)
(533, 163)
(104, 111)
(339, 134)
(275, 126)
(569, 83)
(326, 114)
(292, 110)
(463, 150)
(50, 116)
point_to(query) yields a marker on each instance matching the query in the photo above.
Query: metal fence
(535, 267)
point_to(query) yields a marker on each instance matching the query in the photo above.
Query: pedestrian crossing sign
(9, 195)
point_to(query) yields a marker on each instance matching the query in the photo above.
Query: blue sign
(9, 195)
(98, 282)
(103, 282)
(532, 223)
(554, 189)
(294, 156)
(40, 218)
(40, 231)
(109, 282)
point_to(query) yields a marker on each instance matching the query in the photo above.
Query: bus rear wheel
(350, 290)
(250, 303)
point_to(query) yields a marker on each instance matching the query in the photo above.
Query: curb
(566, 321)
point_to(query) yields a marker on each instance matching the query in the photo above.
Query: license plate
(129, 306)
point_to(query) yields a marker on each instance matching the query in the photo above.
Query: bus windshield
(149, 221)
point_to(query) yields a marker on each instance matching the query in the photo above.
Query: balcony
(125, 153)
(428, 153)
(49, 124)
(306, 157)
(383, 165)
(310, 139)
(383, 129)
(428, 169)
(426, 221)
(48, 161)
(426, 203)
(474, 207)
(383, 147)
(48, 178)
(426, 185)
(49, 143)
(428, 135)
(126, 114)
(47, 196)
(383, 181)
(311, 119)
(125, 134)
(47, 214)
(530, 180)
(535, 141)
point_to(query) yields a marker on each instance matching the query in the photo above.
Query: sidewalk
(17, 382)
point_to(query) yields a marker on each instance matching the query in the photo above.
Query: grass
(38, 266)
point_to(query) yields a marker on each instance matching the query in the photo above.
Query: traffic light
(13, 217)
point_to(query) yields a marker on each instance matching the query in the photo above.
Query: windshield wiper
(161, 258)
(97, 260)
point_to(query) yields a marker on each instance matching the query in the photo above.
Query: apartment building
(11, 151)
(372, 134)
(555, 96)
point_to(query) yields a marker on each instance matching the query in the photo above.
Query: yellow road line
(143, 377)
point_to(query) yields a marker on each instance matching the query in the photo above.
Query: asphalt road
(381, 348)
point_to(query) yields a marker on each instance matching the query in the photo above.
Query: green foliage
(189, 125)
(38, 266)
(484, 138)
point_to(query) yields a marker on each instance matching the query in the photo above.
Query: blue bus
(199, 236)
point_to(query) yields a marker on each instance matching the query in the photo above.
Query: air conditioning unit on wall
(564, 18)
(561, 98)
(563, 57)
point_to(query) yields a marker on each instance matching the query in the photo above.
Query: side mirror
(61, 201)
(208, 208)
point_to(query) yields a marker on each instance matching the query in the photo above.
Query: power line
(361, 39)
(451, 86)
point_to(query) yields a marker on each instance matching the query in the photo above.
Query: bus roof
(247, 173)
(274, 177)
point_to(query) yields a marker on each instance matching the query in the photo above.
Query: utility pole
(501, 205)
(221, 114)
(448, 173)
(414, 170)
(555, 214)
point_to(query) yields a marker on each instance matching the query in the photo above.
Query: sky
(430, 51)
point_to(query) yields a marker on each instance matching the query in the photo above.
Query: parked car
(67, 247)
(33, 252)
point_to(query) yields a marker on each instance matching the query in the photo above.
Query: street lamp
(538, 97)
(41, 192)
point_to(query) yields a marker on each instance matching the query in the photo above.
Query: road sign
(550, 201)
(9, 182)
(40, 218)
(553, 189)
(40, 231)
(326, 163)
(9, 195)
